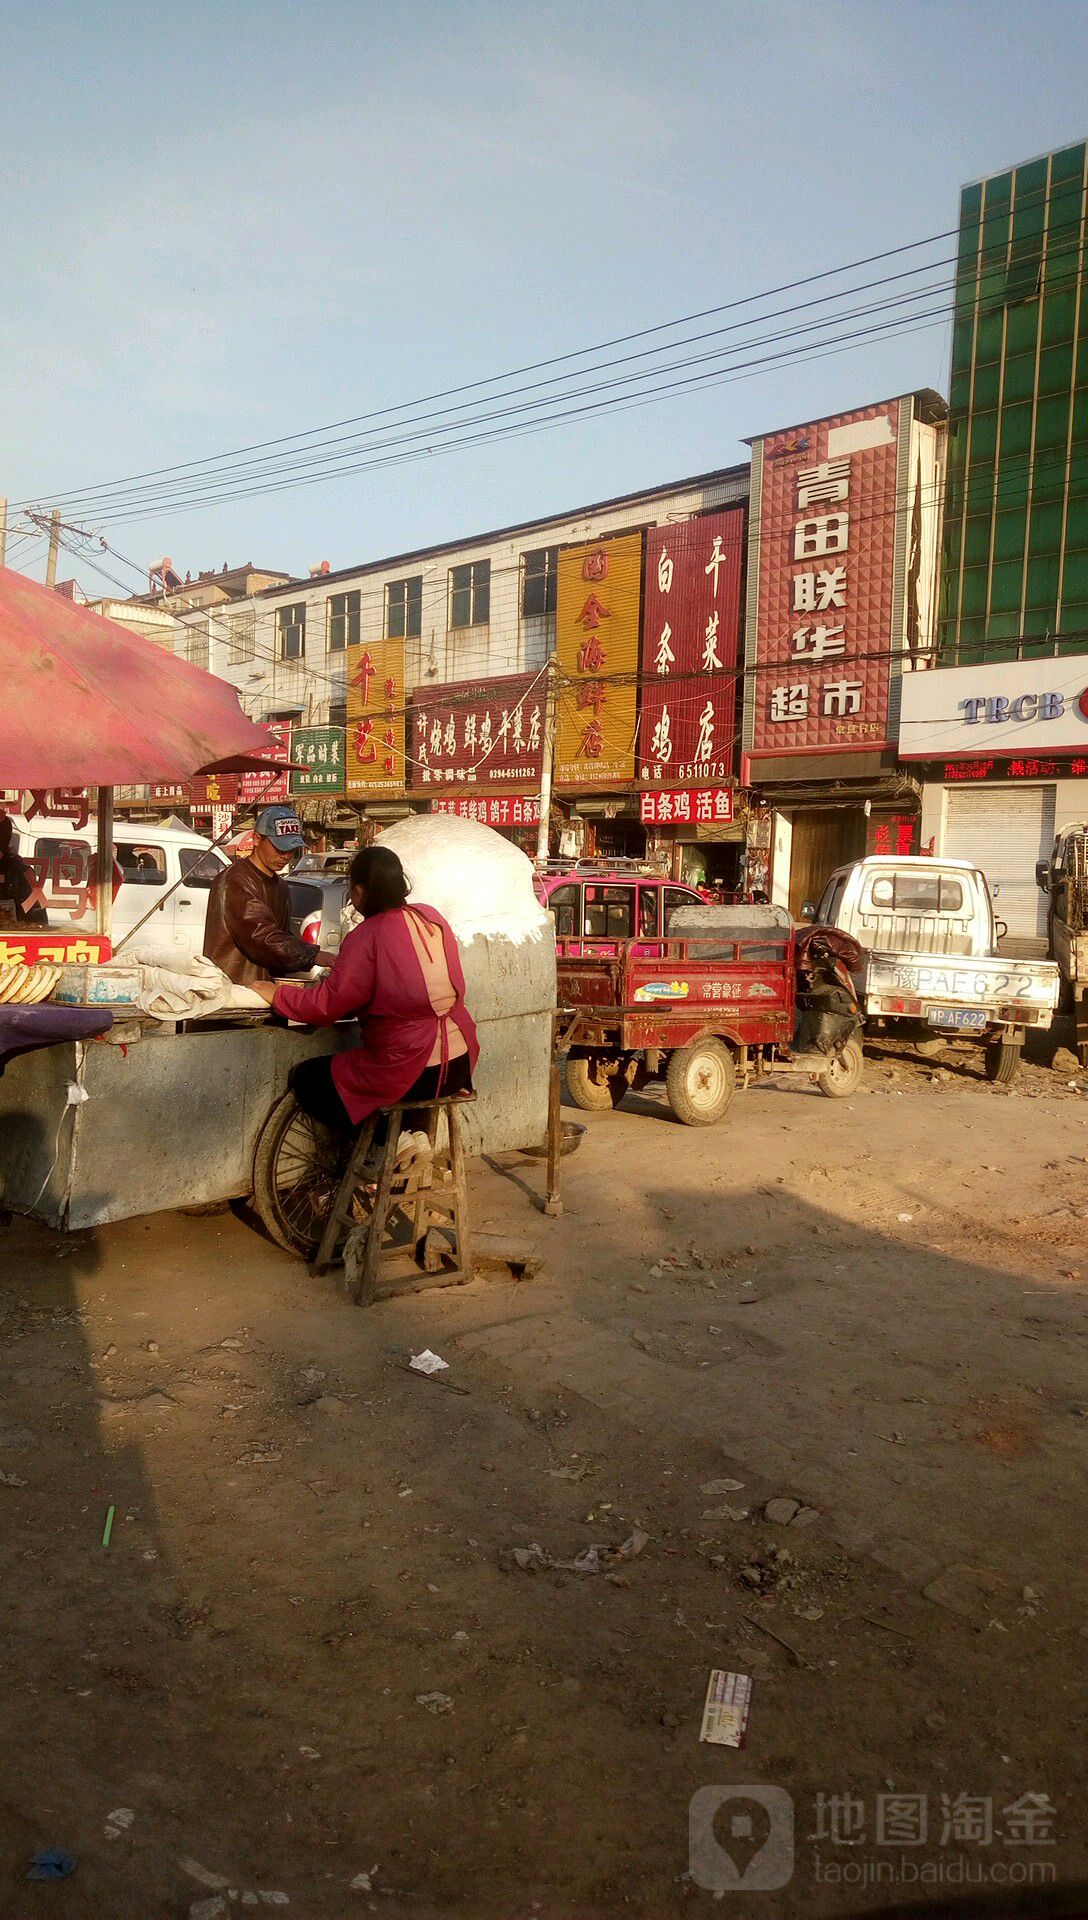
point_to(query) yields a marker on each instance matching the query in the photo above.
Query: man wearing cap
(248, 928)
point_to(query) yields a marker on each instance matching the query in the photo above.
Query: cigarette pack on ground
(725, 1714)
(112, 985)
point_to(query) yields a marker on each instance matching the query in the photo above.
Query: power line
(533, 366)
(218, 473)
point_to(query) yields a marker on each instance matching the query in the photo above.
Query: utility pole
(54, 547)
(546, 764)
(3, 530)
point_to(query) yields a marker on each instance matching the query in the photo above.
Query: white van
(60, 864)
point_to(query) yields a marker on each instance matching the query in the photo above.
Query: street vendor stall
(88, 705)
(166, 1098)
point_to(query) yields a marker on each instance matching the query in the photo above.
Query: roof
(926, 860)
(1014, 166)
(716, 477)
(929, 406)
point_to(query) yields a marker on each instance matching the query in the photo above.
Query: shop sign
(267, 788)
(1023, 707)
(823, 552)
(487, 733)
(53, 949)
(210, 790)
(892, 833)
(507, 810)
(690, 631)
(597, 627)
(72, 804)
(956, 773)
(679, 807)
(375, 729)
(318, 756)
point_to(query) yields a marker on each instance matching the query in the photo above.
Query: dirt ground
(307, 1671)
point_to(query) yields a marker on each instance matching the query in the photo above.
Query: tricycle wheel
(843, 1075)
(297, 1168)
(597, 1083)
(700, 1081)
(1002, 1062)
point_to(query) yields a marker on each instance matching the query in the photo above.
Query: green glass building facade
(1014, 574)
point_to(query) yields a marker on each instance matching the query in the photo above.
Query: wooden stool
(397, 1216)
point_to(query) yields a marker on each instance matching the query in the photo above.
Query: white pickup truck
(928, 930)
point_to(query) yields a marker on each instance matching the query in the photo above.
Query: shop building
(841, 597)
(997, 728)
(1014, 564)
(459, 633)
(1001, 752)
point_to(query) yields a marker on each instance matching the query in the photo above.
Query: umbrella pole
(104, 861)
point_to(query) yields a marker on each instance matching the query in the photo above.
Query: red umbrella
(84, 703)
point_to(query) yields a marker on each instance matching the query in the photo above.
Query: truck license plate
(973, 1018)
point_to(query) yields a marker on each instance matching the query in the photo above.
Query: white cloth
(176, 985)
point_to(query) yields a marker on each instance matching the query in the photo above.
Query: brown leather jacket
(247, 931)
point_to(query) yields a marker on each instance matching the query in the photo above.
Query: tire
(843, 1076)
(1082, 1054)
(929, 1045)
(592, 1086)
(700, 1081)
(1002, 1062)
(297, 1167)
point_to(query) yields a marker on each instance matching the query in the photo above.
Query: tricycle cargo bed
(664, 993)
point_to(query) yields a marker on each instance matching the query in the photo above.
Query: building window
(538, 581)
(199, 648)
(338, 713)
(240, 637)
(343, 620)
(290, 631)
(470, 594)
(404, 608)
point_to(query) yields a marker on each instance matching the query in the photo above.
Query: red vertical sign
(823, 637)
(689, 649)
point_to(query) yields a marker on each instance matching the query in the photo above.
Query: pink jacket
(378, 978)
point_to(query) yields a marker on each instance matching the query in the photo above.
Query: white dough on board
(479, 881)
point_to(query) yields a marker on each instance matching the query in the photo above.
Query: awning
(85, 703)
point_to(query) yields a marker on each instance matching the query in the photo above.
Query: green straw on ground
(108, 1528)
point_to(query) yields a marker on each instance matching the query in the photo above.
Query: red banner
(686, 805)
(690, 634)
(511, 810)
(487, 733)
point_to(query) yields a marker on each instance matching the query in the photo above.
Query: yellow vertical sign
(375, 732)
(596, 639)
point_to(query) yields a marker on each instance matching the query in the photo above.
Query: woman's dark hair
(380, 872)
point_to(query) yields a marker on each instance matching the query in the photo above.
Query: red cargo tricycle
(731, 995)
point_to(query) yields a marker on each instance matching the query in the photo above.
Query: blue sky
(233, 221)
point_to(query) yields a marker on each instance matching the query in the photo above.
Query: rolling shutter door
(1005, 830)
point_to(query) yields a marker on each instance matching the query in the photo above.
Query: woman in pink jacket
(399, 974)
